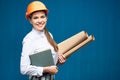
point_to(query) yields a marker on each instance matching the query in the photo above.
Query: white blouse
(34, 41)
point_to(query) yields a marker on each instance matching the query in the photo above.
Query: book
(43, 58)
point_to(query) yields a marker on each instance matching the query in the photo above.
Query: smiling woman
(38, 20)
(39, 39)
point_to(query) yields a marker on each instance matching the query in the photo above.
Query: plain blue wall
(100, 60)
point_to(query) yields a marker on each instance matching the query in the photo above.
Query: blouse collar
(37, 32)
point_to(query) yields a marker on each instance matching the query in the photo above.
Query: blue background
(100, 60)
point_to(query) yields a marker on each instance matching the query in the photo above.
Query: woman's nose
(39, 20)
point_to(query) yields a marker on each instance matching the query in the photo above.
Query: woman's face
(38, 20)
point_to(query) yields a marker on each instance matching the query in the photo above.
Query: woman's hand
(50, 69)
(61, 59)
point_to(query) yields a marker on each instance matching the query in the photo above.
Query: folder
(42, 59)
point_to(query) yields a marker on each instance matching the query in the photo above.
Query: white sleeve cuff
(40, 71)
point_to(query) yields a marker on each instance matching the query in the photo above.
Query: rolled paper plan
(71, 42)
(71, 51)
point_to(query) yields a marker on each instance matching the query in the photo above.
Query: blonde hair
(50, 40)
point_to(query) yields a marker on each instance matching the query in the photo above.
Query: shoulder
(28, 37)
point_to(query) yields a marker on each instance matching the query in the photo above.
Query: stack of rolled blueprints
(72, 44)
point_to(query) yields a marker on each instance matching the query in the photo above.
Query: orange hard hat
(35, 6)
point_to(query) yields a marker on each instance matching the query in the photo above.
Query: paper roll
(71, 42)
(71, 51)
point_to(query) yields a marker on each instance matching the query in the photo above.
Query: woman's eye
(42, 16)
(35, 17)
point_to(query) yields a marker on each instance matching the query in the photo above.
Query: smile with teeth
(40, 24)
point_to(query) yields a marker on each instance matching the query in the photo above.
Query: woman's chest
(41, 44)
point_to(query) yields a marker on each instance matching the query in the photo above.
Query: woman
(37, 40)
